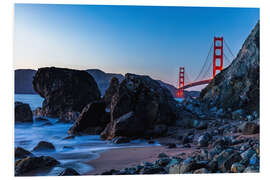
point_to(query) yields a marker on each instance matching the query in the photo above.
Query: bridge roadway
(206, 81)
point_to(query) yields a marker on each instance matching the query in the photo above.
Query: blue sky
(144, 40)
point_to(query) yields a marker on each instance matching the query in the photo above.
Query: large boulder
(22, 153)
(30, 164)
(248, 128)
(139, 104)
(44, 146)
(69, 172)
(23, 113)
(237, 86)
(92, 120)
(65, 90)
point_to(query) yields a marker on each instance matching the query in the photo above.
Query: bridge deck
(206, 81)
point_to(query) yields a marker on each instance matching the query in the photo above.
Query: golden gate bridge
(218, 53)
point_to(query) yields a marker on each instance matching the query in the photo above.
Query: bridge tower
(180, 91)
(218, 55)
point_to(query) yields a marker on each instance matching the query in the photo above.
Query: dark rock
(41, 119)
(112, 89)
(237, 86)
(69, 172)
(237, 167)
(171, 145)
(238, 114)
(248, 128)
(22, 153)
(226, 158)
(200, 124)
(204, 139)
(151, 142)
(163, 162)
(120, 140)
(69, 116)
(173, 162)
(187, 146)
(64, 90)
(23, 113)
(248, 154)
(224, 142)
(160, 129)
(151, 170)
(252, 169)
(139, 105)
(110, 172)
(204, 154)
(162, 155)
(44, 146)
(186, 166)
(186, 139)
(29, 164)
(201, 171)
(93, 117)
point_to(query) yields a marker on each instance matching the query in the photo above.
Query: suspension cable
(228, 48)
(205, 62)
(208, 70)
(226, 58)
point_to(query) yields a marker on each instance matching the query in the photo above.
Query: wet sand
(130, 157)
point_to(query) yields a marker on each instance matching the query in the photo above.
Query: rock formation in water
(237, 86)
(23, 113)
(139, 107)
(92, 120)
(65, 91)
(30, 164)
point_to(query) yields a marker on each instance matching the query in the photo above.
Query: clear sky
(153, 41)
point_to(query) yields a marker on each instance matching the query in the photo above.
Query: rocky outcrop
(23, 113)
(113, 88)
(69, 172)
(44, 146)
(92, 119)
(248, 128)
(139, 104)
(30, 164)
(22, 153)
(237, 86)
(65, 91)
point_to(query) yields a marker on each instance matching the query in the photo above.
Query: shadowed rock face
(237, 86)
(30, 164)
(113, 88)
(64, 90)
(23, 113)
(92, 119)
(139, 104)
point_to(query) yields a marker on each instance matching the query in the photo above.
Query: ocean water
(72, 152)
(179, 99)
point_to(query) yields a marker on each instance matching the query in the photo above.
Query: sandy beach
(128, 157)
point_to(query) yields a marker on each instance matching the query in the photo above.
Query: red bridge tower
(180, 91)
(218, 55)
